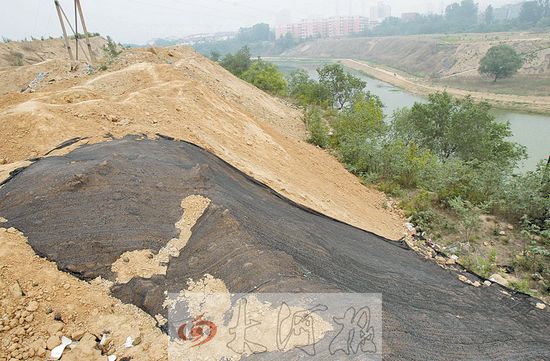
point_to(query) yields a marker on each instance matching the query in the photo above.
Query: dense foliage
(259, 38)
(452, 148)
(267, 77)
(262, 74)
(501, 61)
(237, 63)
(466, 17)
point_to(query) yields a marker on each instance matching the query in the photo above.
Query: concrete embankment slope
(87, 209)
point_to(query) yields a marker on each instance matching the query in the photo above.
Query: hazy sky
(137, 21)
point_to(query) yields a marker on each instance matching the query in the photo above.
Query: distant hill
(18, 53)
(431, 56)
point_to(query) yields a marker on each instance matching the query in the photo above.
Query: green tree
(239, 62)
(501, 61)
(266, 76)
(461, 128)
(489, 15)
(215, 55)
(530, 13)
(305, 90)
(258, 32)
(357, 134)
(340, 85)
(463, 15)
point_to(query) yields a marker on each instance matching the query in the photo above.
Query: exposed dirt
(40, 304)
(179, 93)
(432, 55)
(170, 91)
(18, 53)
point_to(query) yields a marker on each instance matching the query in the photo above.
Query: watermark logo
(225, 326)
(198, 331)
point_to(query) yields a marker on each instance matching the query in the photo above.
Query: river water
(530, 130)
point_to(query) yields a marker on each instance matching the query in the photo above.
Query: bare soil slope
(175, 92)
(18, 53)
(181, 94)
(432, 56)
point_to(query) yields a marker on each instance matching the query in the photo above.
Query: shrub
(305, 90)
(461, 128)
(15, 58)
(469, 220)
(527, 195)
(266, 76)
(111, 49)
(318, 129)
(237, 63)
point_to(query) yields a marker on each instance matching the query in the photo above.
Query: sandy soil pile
(17, 53)
(179, 93)
(174, 92)
(39, 305)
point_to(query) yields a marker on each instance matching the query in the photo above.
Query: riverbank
(418, 86)
(535, 104)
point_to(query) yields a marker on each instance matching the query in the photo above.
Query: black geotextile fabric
(86, 208)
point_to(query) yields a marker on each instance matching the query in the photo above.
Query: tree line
(466, 17)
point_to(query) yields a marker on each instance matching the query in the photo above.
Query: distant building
(380, 12)
(205, 38)
(410, 16)
(323, 28)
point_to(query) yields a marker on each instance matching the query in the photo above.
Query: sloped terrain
(432, 55)
(183, 95)
(175, 92)
(94, 204)
(19, 53)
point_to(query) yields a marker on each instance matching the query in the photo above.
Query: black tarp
(84, 209)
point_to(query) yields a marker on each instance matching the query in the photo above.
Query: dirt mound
(18, 53)
(105, 201)
(179, 93)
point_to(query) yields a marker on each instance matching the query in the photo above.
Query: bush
(15, 58)
(306, 91)
(452, 127)
(358, 132)
(267, 77)
(237, 63)
(111, 49)
(317, 128)
(469, 220)
(526, 195)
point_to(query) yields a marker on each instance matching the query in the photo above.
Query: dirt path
(539, 104)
